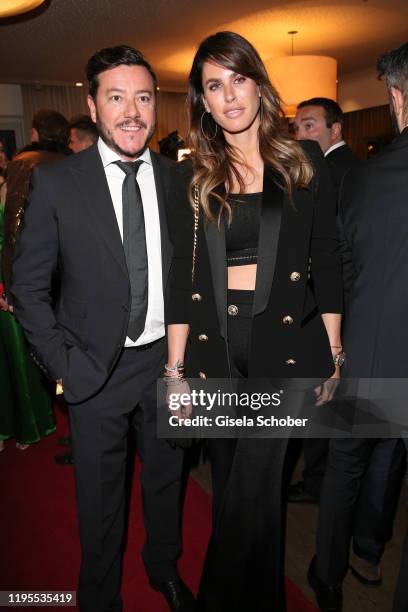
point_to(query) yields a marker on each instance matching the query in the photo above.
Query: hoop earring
(202, 129)
(260, 109)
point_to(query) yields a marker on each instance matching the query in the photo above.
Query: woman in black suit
(264, 213)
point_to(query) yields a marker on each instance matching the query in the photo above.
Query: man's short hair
(51, 127)
(394, 67)
(333, 112)
(84, 124)
(112, 57)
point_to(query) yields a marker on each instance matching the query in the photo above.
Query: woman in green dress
(25, 398)
(25, 401)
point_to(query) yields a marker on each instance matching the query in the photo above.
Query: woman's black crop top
(242, 236)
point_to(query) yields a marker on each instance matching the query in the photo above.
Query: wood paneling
(361, 127)
(367, 126)
(171, 115)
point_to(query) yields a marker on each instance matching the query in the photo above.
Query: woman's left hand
(324, 393)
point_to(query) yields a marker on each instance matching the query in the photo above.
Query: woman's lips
(234, 112)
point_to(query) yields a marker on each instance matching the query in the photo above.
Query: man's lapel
(91, 180)
(271, 214)
(161, 178)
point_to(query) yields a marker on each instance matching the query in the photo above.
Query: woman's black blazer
(298, 278)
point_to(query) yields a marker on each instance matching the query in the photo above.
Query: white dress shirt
(339, 144)
(154, 326)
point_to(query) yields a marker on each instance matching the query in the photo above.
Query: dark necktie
(134, 245)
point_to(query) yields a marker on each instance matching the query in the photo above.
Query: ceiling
(51, 45)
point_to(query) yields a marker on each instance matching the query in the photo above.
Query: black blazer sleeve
(181, 228)
(349, 271)
(325, 245)
(35, 261)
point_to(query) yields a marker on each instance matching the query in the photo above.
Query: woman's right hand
(178, 400)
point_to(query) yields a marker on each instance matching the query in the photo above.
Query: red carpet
(39, 548)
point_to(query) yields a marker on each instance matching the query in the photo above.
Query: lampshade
(8, 8)
(301, 77)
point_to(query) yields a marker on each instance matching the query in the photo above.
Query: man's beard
(108, 139)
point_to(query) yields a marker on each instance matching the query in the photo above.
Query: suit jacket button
(202, 375)
(203, 338)
(295, 276)
(196, 297)
(287, 320)
(290, 362)
(232, 310)
(125, 308)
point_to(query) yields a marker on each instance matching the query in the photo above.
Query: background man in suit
(374, 219)
(321, 119)
(83, 133)
(100, 216)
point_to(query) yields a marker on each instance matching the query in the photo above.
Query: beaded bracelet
(176, 368)
(173, 382)
(174, 375)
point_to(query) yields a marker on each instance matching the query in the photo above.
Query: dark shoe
(329, 598)
(177, 594)
(365, 572)
(297, 494)
(64, 441)
(64, 459)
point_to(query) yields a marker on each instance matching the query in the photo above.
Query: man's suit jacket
(340, 161)
(374, 217)
(70, 224)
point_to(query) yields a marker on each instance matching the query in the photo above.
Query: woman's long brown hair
(214, 160)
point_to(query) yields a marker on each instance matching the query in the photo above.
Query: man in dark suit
(374, 218)
(100, 218)
(320, 119)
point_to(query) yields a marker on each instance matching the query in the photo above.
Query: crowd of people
(266, 255)
(27, 413)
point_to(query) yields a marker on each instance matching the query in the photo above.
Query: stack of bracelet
(174, 375)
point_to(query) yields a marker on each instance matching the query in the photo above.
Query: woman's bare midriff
(242, 277)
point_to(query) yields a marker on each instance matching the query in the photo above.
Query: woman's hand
(178, 400)
(325, 392)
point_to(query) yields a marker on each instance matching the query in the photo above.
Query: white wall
(11, 100)
(361, 89)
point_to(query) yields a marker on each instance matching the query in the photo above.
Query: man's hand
(59, 389)
(4, 305)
